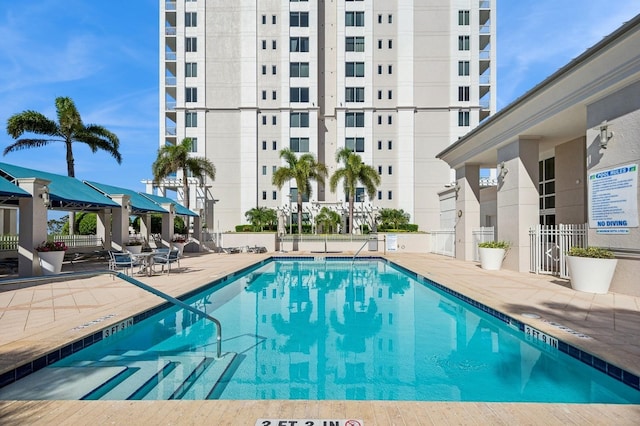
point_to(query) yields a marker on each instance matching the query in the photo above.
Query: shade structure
(139, 204)
(65, 193)
(10, 193)
(179, 208)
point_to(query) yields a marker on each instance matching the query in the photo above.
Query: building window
(264, 44)
(299, 69)
(264, 145)
(379, 119)
(390, 170)
(380, 170)
(274, 95)
(273, 70)
(547, 191)
(191, 119)
(379, 145)
(390, 44)
(264, 95)
(274, 195)
(390, 94)
(463, 93)
(463, 17)
(299, 119)
(354, 144)
(380, 19)
(390, 69)
(389, 144)
(191, 19)
(274, 145)
(354, 94)
(354, 44)
(379, 94)
(264, 70)
(380, 69)
(273, 169)
(264, 195)
(354, 19)
(389, 119)
(463, 42)
(264, 19)
(264, 120)
(379, 195)
(299, 44)
(264, 170)
(379, 44)
(463, 67)
(191, 94)
(390, 19)
(463, 118)
(273, 44)
(274, 120)
(299, 19)
(354, 69)
(191, 69)
(299, 144)
(273, 19)
(191, 44)
(390, 195)
(299, 94)
(354, 119)
(194, 145)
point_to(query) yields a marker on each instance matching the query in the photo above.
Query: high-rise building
(396, 81)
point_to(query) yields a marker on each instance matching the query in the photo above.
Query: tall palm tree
(302, 169)
(354, 172)
(172, 158)
(68, 129)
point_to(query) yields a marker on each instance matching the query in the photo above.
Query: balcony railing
(170, 131)
(170, 81)
(170, 106)
(170, 5)
(170, 56)
(485, 4)
(170, 31)
(485, 54)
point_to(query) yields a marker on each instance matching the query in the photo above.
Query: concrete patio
(35, 320)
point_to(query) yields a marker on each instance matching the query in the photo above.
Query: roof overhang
(139, 204)
(178, 208)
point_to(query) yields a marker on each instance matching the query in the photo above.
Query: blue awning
(139, 204)
(65, 193)
(10, 193)
(179, 208)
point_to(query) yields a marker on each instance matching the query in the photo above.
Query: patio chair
(167, 258)
(122, 261)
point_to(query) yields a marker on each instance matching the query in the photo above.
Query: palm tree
(172, 158)
(354, 172)
(328, 220)
(261, 216)
(393, 218)
(68, 129)
(301, 169)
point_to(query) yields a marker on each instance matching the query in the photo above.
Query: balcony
(171, 131)
(170, 56)
(170, 31)
(485, 4)
(170, 81)
(170, 5)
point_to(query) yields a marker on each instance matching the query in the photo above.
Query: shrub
(595, 252)
(494, 244)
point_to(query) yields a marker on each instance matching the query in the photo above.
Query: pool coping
(614, 371)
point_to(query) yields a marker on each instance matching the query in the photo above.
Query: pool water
(321, 330)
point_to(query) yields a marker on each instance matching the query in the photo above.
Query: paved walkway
(37, 319)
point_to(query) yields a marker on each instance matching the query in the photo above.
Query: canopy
(139, 204)
(9, 193)
(179, 208)
(65, 193)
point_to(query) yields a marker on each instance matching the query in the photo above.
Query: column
(32, 227)
(120, 222)
(467, 210)
(517, 199)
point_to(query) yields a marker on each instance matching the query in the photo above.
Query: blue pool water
(329, 330)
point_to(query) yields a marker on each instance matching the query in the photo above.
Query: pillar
(32, 227)
(517, 199)
(467, 210)
(120, 221)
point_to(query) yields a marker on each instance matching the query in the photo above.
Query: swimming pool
(327, 329)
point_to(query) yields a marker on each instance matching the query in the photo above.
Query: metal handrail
(137, 283)
(359, 250)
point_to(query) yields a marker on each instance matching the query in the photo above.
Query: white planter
(51, 262)
(133, 249)
(491, 258)
(591, 275)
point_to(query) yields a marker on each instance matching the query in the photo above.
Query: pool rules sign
(613, 199)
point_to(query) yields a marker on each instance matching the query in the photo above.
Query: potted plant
(133, 246)
(591, 269)
(51, 255)
(492, 254)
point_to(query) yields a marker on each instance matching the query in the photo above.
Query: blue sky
(104, 55)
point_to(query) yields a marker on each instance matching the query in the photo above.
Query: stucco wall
(570, 184)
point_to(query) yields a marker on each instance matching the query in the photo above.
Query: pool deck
(38, 319)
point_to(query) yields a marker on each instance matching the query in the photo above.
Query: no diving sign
(309, 422)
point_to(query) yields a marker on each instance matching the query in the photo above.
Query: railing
(9, 242)
(138, 284)
(77, 240)
(485, 4)
(169, 5)
(443, 241)
(171, 31)
(358, 252)
(549, 245)
(170, 56)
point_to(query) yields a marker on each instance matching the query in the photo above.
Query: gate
(549, 245)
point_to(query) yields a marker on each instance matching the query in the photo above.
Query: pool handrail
(359, 250)
(135, 282)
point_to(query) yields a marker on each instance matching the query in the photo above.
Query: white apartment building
(397, 81)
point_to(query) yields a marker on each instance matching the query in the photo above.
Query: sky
(104, 56)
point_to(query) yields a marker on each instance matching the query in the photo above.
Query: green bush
(595, 252)
(244, 228)
(494, 244)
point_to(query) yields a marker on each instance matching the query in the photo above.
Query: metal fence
(549, 245)
(443, 241)
(10, 242)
